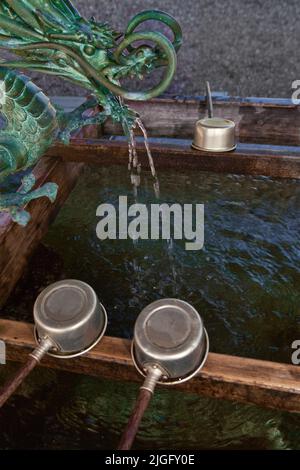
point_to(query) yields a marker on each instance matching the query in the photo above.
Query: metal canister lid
(70, 313)
(169, 333)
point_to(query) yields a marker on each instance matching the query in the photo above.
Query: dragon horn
(17, 29)
(25, 12)
(102, 80)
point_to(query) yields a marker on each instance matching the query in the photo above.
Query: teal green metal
(52, 37)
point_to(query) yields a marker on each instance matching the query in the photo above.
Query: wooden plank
(283, 162)
(18, 243)
(264, 121)
(266, 384)
(259, 120)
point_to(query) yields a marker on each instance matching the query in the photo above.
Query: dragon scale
(30, 119)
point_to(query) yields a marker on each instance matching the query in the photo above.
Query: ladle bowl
(70, 314)
(215, 135)
(170, 334)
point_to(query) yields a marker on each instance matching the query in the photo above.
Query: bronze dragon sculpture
(53, 38)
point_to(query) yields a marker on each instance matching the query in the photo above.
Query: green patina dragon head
(52, 37)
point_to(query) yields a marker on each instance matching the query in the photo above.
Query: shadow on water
(245, 283)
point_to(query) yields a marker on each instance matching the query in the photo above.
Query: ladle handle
(210, 106)
(34, 358)
(154, 373)
(133, 425)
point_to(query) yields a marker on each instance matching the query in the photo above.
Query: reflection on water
(64, 411)
(245, 283)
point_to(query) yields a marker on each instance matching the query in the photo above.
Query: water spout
(134, 163)
(150, 158)
(146, 140)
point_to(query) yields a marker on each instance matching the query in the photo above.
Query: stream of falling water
(146, 140)
(135, 168)
(134, 165)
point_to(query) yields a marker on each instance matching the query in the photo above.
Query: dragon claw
(65, 137)
(28, 183)
(14, 203)
(50, 191)
(21, 217)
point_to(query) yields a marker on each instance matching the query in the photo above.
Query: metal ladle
(170, 346)
(69, 321)
(214, 134)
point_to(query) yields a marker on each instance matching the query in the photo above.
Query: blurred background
(244, 47)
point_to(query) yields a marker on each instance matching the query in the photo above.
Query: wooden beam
(266, 384)
(258, 120)
(18, 243)
(277, 162)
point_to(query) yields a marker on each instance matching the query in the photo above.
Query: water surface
(245, 283)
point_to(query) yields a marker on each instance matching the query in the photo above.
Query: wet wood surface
(267, 384)
(270, 121)
(267, 131)
(18, 243)
(274, 161)
(258, 120)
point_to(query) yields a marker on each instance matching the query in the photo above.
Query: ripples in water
(245, 283)
(64, 411)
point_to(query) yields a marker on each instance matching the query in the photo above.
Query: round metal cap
(70, 314)
(169, 333)
(215, 135)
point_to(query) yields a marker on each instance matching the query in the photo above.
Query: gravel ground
(244, 47)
